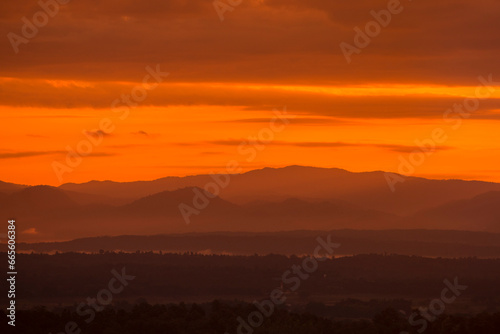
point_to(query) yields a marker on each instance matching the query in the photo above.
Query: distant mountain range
(269, 199)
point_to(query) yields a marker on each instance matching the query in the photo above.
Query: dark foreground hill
(66, 279)
(225, 317)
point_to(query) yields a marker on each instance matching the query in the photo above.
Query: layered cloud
(341, 102)
(304, 144)
(447, 42)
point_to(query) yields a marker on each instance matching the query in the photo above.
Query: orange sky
(225, 79)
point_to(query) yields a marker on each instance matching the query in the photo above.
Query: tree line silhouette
(219, 318)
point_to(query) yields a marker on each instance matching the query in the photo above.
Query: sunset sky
(227, 78)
